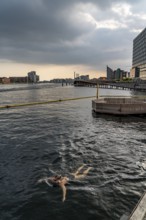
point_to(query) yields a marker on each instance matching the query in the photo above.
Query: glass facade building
(139, 55)
(110, 73)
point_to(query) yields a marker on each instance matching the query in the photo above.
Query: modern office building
(139, 55)
(110, 73)
(116, 74)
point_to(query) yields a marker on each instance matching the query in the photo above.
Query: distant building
(110, 73)
(62, 80)
(135, 72)
(139, 56)
(18, 79)
(102, 78)
(4, 80)
(116, 74)
(32, 77)
(82, 77)
(76, 75)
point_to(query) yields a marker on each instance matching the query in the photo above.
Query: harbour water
(40, 141)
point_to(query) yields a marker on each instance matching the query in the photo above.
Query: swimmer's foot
(78, 175)
(78, 170)
(87, 171)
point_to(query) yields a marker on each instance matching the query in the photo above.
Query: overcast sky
(58, 37)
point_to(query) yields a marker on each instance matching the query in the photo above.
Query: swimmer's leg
(78, 170)
(87, 171)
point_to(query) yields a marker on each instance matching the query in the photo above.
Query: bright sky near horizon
(56, 38)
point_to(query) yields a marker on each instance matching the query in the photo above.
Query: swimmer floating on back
(60, 181)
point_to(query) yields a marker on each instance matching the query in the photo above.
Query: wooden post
(97, 94)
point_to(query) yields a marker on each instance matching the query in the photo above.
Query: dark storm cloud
(65, 32)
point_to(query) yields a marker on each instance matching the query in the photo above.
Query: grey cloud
(47, 31)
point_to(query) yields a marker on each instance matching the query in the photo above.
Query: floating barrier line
(42, 103)
(58, 100)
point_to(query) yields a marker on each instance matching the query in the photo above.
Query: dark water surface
(40, 141)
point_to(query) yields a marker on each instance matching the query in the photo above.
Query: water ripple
(37, 142)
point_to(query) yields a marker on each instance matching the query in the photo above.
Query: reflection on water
(138, 93)
(115, 92)
(122, 118)
(41, 141)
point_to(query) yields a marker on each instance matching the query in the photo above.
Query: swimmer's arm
(46, 181)
(42, 180)
(63, 191)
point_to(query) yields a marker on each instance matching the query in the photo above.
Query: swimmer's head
(57, 177)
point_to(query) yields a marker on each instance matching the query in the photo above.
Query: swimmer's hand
(45, 180)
